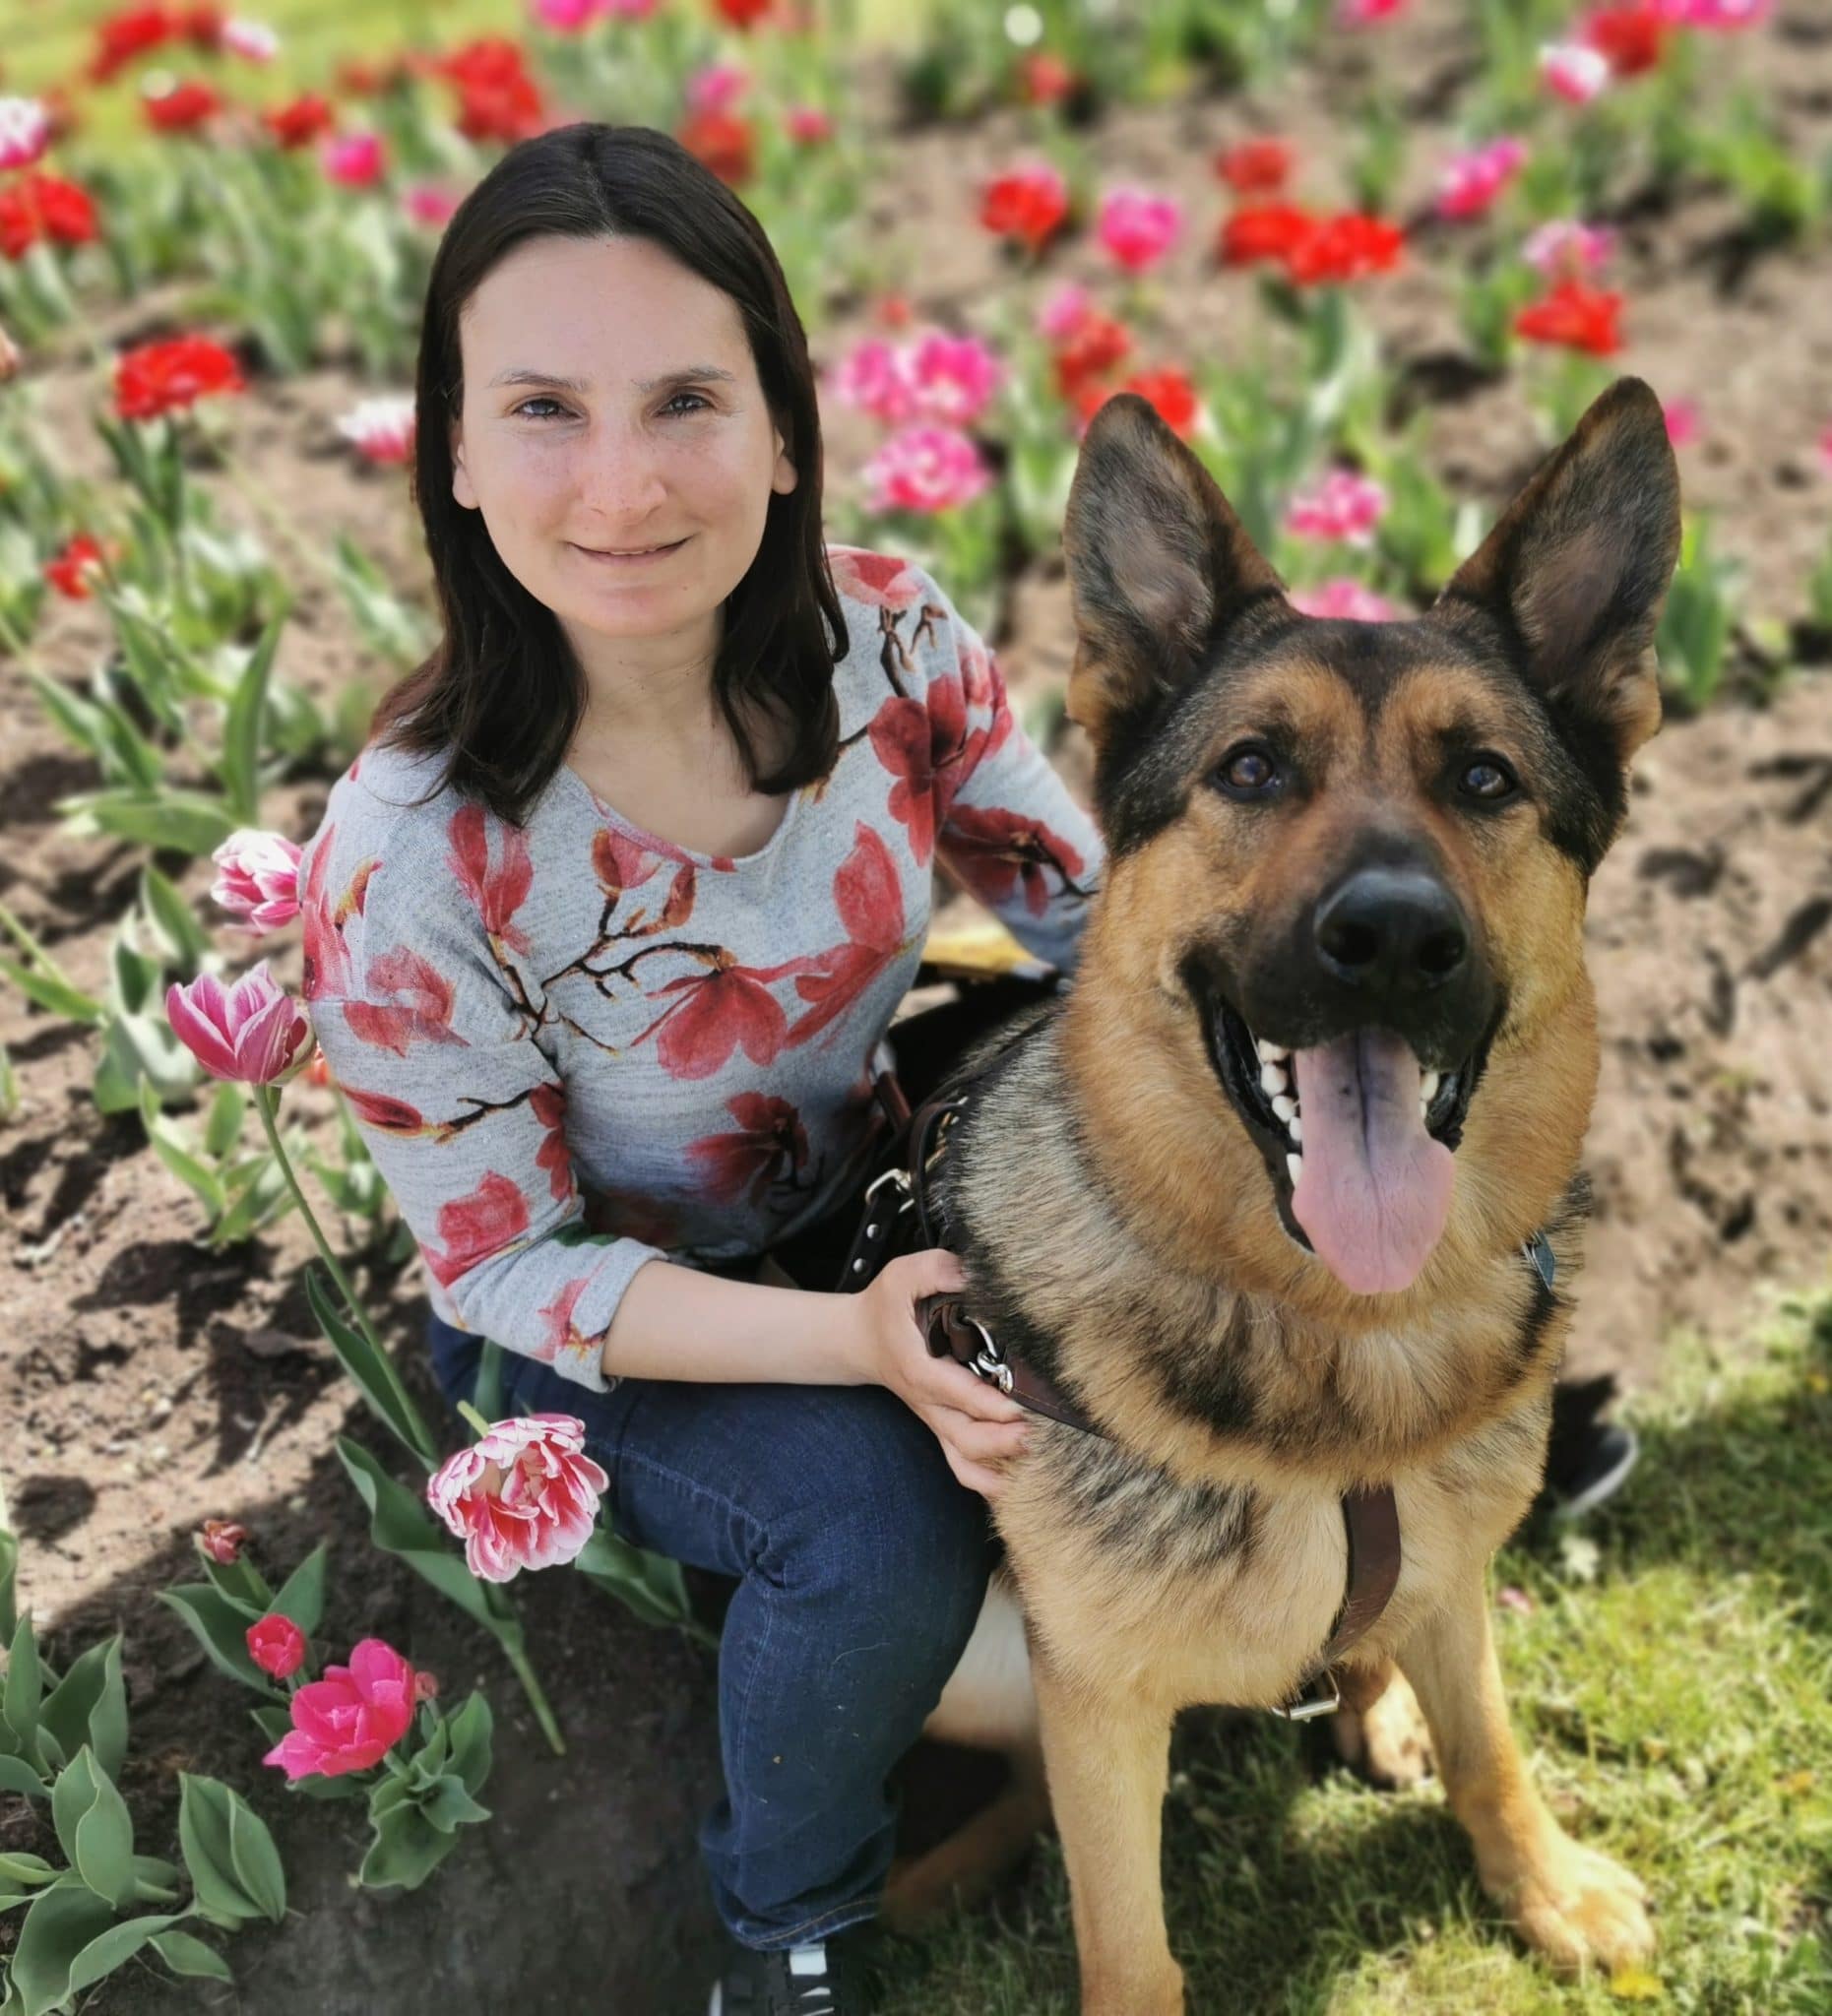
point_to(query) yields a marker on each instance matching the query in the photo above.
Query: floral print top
(573, 1046)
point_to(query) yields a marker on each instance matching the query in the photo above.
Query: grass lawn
(1673, 1688)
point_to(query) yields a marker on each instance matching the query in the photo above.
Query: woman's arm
(425, 1033)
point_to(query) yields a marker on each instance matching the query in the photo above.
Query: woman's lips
(604, 559)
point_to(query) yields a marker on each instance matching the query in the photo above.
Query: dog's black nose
(1392, 931)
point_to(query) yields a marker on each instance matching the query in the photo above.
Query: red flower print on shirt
(497, 893)
(770, 1147)
(548, 1104)
(990, 849)
(881, 580)
(391, 1115)
(928, 750)
(869, 898)
(561, 1333)
(423, 1015)
(723, 1008)
(472, 1228)
(327, 956)
(622, 864)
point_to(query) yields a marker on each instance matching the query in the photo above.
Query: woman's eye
(1488, 779)
(527, 402)
(1249, 771)
(698, 401)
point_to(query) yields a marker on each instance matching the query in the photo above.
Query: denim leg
(860, 1564)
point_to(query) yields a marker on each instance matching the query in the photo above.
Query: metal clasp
(900, 1178)
(989, 1362)
(1308, 1710)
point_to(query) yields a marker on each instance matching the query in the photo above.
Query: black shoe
(1586, 1459)
(816, 1980)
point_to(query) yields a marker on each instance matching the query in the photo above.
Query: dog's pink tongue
(1375, 1189)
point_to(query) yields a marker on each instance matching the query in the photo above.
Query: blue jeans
(860, 1564)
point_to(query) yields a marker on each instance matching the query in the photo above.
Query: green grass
(1673, 1688)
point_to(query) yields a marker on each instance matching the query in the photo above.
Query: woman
(604, 935)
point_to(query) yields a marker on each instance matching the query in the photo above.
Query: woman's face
(612, 403)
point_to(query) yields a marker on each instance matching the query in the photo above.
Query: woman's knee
(889, 1522)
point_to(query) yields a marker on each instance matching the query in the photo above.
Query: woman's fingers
(981, 1441)
(948, 1383)
(988, 1482)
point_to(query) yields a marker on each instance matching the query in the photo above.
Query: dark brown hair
(502, 693)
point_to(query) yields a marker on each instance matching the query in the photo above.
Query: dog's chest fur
(1200, 1552)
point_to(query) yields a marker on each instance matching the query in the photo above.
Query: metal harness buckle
(1307, 1709)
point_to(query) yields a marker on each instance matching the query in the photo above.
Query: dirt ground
(146, 1384)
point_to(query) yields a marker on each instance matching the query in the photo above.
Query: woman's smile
(629, 558)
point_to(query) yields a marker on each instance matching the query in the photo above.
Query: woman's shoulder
(878, 580)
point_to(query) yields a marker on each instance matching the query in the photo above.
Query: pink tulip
(1137, 228)
(1063, 311)
(1342, 599)
(523, 1496)
(717, 88)
(426, 202)
(223, 1540)
(1472, 181)
(277, 1646)
(1682, 422)
(1826, 450)
(952, 378)
(351, 1717)
(252, 1033)
(871, 376)
(926, 468)
(1574, 69)
(382, 429)
(629, 10)
(564, 17)
(258, 878)
(807, 125)
(352, 160)
(1343, 506)
(1365, 12)
(1723, 16)
(24, 132)
(1565, 248)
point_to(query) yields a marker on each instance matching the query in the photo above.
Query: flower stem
(471, 1415)
(508, 1630)
(266, 1101)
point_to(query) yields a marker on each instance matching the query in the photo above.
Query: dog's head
(1359, 851)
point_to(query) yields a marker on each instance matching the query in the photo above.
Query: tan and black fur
(1122, 1228)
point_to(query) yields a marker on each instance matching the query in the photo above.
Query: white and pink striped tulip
(252, 1033)
(258, 878)
(382, 429)
(524, 1495)
(24, 132)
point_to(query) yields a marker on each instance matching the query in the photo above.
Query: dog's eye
(1247, 771)
(1488, 779)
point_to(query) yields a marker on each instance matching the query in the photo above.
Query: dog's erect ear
(1159, 564)
(1578, 567)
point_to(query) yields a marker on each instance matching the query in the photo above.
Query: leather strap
(1372, 1524)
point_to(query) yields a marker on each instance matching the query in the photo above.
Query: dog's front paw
(1579, 1909)
(1386, 1741)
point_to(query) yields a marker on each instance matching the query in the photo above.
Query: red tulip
(1575, 316)
(156, 378)
(277, 1646)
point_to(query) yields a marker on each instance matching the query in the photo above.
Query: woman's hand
(977, 1427)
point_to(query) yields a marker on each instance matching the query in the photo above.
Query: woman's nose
(620, 474)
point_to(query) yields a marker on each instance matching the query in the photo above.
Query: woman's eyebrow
(522, 374)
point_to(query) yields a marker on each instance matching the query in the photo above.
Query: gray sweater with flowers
(573, 1046)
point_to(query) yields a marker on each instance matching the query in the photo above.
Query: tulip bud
(252, 1033)
(223, 1540)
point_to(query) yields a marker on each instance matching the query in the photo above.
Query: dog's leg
(1107, 1761)
(1576, 1905)
(964, 1868)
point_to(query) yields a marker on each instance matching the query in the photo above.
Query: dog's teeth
(1295, 1127)
(1428, 1088)
(1271, 1079)
(1294, 1167)
(1270, 1053)
(1282, 1105)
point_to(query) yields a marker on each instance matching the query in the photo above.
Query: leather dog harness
(899, 1217)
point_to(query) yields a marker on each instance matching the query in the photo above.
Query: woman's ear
(462, 489)
(783, 477)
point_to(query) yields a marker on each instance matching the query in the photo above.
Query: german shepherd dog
(1260, 1193)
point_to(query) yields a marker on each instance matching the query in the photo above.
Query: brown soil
(146, 1384)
